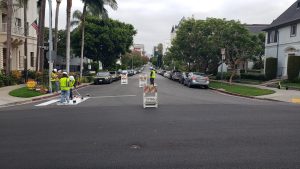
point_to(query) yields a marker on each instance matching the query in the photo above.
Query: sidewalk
(290, 96)
(7, 100)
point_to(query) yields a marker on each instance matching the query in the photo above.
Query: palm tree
(69, 6)
(40, 51)
(94, 7)
(8, 41)
(56, 25)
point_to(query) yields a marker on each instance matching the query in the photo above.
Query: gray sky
(154, 19)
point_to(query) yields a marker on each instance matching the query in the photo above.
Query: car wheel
(189, 85)
(205, 87)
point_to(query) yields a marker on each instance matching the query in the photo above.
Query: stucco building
(283, 37)
(18, 37)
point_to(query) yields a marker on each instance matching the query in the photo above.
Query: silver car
(197, 79)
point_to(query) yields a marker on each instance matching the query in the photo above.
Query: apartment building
(18, 37)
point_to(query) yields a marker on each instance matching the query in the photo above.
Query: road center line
(120, 96)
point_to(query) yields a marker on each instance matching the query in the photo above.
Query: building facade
(18, 56)
(283, 38)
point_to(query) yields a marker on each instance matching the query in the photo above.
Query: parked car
(167, 74)
(197, 79)
(103, 77)
(176, 75)
(114, 75)
(182, 77)
(130, 72)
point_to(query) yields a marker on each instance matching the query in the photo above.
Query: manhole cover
(135, 147)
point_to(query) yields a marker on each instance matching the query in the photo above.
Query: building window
(4, 58)
(293, 30)
(272, 37)
(32, 59)
(20, 60)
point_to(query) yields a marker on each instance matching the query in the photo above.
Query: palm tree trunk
(69, 6)
(8, 41)
(25, 43)
(56, 25)
(82, 40)
(40, 50)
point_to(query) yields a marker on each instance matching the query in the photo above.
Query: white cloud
(154, 19)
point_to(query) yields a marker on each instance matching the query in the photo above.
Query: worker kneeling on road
(72, 86)
(152, 76)
(65, 88)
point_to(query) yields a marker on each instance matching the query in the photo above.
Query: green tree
(96, 8)
(134, 59)
(106, 39)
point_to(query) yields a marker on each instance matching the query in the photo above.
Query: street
(191, 128)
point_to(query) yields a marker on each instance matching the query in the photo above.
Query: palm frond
(77, 15)
(112, 3)
(74, 23)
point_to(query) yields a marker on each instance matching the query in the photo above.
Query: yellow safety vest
(64, 83)
(72, 84)
(54, 77)
(153, 74)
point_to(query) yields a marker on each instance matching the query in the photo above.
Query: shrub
(293, 67)
(16, 76)
(271, 68)
(250, 76)
(226, 76)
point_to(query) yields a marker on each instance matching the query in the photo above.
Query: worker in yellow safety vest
(72, 86)
(65, 88)
(152, 76)
(54, 81)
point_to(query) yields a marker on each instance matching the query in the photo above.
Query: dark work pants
(151, 81)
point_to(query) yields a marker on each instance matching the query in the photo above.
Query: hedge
(293, 67)
(260, 77)
(271, 68)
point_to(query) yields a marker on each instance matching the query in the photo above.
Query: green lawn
(24, 93)
(242, 90)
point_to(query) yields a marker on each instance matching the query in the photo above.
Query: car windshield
(198, 73)
(103, 74)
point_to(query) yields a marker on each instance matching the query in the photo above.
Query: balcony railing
(15, 30)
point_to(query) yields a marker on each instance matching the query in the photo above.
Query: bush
(260, 77)
(293, 67)
(226, 76)
(17, 76)
(271, 68)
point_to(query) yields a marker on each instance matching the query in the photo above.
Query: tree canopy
(198, 44)
(106, 39)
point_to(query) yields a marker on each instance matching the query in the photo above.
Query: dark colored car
(103, 77)
(176, 75)
(197, 79)
(182, 77)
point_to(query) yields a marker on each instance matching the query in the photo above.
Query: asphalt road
(191, 129)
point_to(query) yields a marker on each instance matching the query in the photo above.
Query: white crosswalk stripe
(73, 102)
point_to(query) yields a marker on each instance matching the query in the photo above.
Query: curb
(37, 99)
(249, 97)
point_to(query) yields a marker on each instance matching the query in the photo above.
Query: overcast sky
(154, 19)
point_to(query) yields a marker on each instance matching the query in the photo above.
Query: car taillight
(206, 78)
(194, 78)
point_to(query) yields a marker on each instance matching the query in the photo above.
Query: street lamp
(223, 50)
(50, 44)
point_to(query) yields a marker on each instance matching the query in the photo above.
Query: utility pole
(50, 45)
